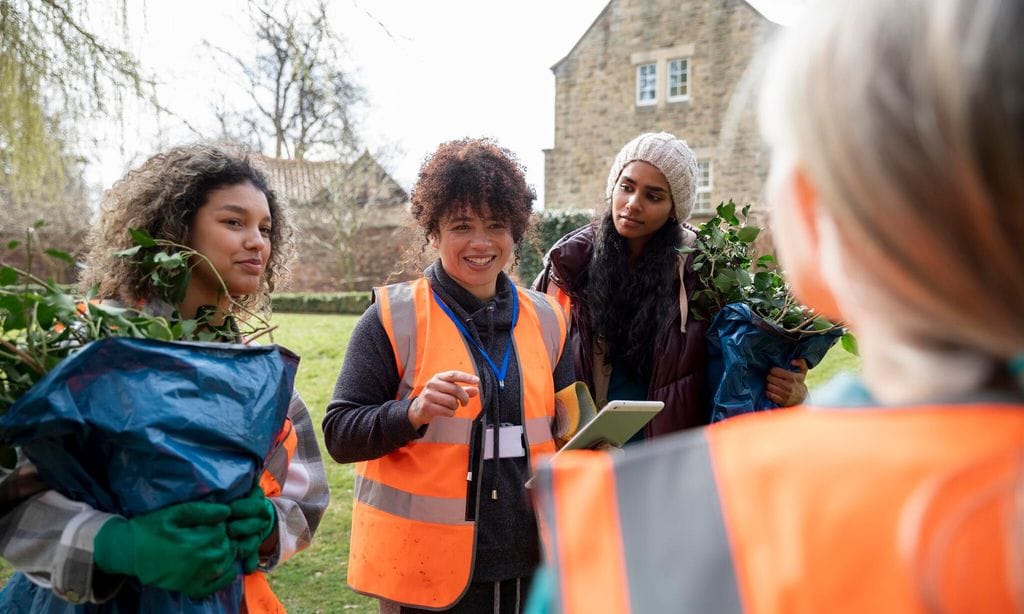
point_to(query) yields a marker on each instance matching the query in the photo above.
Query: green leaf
(8, 276)
(747, 234)
(101, 310)
(128, 253)
(46, 313)
(727, 211)
(39, 224)
(158, 329)
(179, 287)
(765, 261)
(188, 329)
(169, 261)
(59, 255)
(15, 310)
(725, 280)
(13, 244)
(762, 281)
(61, 302)
(821, 323)
(743, 277)
(142, 238)
(849, 343)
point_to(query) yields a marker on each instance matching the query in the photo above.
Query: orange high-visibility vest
(411, 542)
(257, 594)
(807, 510)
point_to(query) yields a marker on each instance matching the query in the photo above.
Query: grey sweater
(364, 421)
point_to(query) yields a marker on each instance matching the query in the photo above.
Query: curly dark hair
(474, 174)
(629, 306)
(162, 196)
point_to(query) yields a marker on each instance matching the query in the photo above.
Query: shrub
(321, 302)
(548, 226)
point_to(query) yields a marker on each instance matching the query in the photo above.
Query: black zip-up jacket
(364, 421)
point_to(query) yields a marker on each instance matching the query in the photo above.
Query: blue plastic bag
(133, 425)
(742, 348)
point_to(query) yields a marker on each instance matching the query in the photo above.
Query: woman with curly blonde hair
(218, 204)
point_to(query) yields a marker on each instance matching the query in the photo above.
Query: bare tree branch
(301, 98)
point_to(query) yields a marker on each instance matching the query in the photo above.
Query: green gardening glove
(252, 520)
(183, 547)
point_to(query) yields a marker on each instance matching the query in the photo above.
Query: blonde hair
(908, 117)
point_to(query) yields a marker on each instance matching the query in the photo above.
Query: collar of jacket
(471, 309)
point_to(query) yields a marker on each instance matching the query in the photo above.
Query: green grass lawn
(314, 580)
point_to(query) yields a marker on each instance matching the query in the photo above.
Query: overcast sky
(432, 70)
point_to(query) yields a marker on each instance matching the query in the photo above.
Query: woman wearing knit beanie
(627, 290)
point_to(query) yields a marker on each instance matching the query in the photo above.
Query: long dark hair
(630, 306)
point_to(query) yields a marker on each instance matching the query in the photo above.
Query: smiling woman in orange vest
(897, 138)
(446, 395)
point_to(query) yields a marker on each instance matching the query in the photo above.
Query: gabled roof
(300, 181)
(303, 181)
(755, 5)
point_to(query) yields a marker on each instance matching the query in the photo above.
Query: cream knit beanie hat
(672, 157)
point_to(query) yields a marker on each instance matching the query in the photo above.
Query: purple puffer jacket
(679, 376)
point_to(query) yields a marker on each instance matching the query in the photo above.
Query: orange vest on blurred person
(411, 542)
(808, 510)
(258, 598)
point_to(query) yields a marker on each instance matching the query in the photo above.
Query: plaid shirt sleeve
(49, 538)
(304, 493)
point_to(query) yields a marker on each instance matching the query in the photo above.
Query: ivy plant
(42, 322)
(723, 259)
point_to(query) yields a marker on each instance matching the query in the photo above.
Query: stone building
(651, 65)
(350, 221)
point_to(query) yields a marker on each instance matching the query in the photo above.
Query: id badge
(510, 442)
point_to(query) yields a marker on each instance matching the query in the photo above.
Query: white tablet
(615, 423)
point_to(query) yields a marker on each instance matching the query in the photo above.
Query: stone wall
(595, 96)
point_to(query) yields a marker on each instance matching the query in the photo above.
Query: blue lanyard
(500, 374)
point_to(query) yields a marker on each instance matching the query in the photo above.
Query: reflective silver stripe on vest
(457, 430)
(403, 327)
(438, 510)
(676, 548)
(550, 330)
(443, 429)
(538, 430)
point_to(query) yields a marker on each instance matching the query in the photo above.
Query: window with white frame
(679, 79)
(646, 84)
(704, 179)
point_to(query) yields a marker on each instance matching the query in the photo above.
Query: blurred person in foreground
(897, 139)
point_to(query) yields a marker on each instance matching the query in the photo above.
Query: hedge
(548, 226)
(321, 302)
